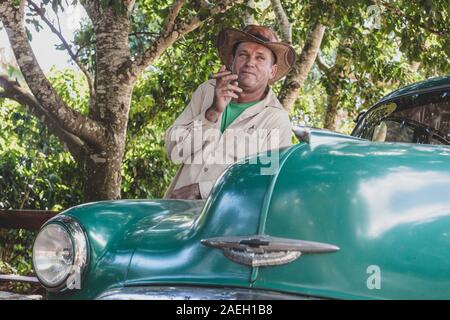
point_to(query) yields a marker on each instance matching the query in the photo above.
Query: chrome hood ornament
(262, 250)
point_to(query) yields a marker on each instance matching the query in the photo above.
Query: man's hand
(189, 192)
(225, 90)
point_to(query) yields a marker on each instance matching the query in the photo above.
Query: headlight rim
(43, 282)
(80, 249)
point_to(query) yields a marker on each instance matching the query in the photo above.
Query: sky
(44, 41)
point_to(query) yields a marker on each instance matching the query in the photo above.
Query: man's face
(253, 63)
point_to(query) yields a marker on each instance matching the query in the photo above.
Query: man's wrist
(212, 114)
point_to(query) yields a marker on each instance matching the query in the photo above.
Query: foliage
(35, 172)
(367, 60)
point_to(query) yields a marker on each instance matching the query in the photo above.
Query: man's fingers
(229, 88)
(230, 94)
(191, 191)
(226, 85)
(191, 197)
(179, 195)
(227, 78)
(233, 88)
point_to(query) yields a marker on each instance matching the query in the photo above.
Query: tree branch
(265, 13)
(131, 70)
(282, 20)
(173, 13)
(248, 17)
(322, 64)
(85, 128)
(83, 47)
(74, 56)
(142, 33)
(13, 91)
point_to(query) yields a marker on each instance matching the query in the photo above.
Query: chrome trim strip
(194, 293)
(263, 250)
(261, 259)
(80, 240)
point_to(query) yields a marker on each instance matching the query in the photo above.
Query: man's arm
(191, 130)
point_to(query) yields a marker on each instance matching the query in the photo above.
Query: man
(233, 115)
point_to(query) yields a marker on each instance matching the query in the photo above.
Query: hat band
(260, 36)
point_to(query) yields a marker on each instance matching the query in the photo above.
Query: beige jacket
(205, 152)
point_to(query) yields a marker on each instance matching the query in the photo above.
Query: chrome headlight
(59, 251)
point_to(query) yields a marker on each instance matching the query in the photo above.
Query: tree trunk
(335, 77)
(103, 165)
(332, 115)
(283, 21)
(103, 175)
(111, 105)
(248, 16)
(296, 78)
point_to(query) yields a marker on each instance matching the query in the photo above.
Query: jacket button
(205, 169)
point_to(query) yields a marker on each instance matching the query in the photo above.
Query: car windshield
(419, 118)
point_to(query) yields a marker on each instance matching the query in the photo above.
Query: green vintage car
(347, 217)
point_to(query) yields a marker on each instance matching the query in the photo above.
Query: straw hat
(229, 38)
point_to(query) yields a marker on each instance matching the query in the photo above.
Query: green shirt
(232, 111)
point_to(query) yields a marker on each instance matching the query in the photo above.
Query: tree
(96, 140)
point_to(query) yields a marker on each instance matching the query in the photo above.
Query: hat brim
(229, 37)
